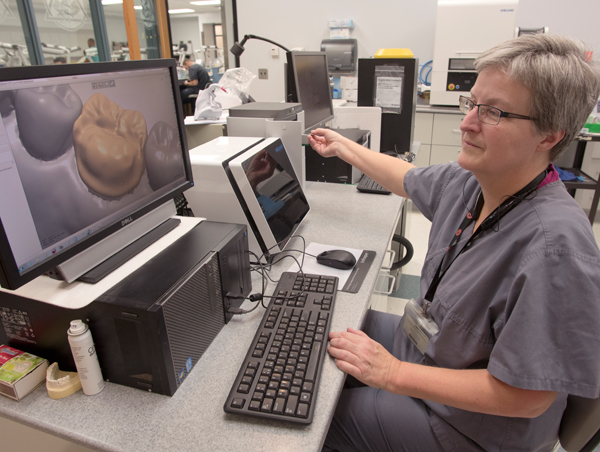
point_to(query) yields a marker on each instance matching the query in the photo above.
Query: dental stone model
(108, 142)
(61, 384)
(45, 116)
(164, 163)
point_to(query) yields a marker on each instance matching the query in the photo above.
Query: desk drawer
(423, 127)
(446, 130)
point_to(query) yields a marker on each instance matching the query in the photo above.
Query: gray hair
(564, 86)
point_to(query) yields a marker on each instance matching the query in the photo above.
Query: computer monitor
(310, 87)
(271, 192)
(86, 151)
(249, 181)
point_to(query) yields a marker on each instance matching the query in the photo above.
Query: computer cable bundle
(264, 269)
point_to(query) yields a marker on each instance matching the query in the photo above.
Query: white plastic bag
(227, 98)
(237, 81)
(207, 106)
(213, 100)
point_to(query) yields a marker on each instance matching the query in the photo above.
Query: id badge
(418, 325)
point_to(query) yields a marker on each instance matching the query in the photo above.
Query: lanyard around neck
(491, 220)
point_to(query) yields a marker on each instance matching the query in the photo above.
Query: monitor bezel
(293, 55)
(10, 278)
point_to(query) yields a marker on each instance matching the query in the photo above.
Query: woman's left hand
(360, 356)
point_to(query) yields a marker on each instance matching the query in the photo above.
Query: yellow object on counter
(61, 384)
(394, 53)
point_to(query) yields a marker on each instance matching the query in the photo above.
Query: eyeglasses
(486, 113)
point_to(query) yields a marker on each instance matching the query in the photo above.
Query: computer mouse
(341, 259)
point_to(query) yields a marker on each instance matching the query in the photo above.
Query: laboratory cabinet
(422, 134)
(440, 137)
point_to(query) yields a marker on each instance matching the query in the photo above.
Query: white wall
(116, 31)
(380, 24)
(189, 27)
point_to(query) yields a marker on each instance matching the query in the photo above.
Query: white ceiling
(173, 4)
(181, 4)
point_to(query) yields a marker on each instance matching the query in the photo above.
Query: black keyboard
(368, 185)
(280, 374)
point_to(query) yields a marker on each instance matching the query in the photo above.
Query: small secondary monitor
(85, 150)
(271, 192)
(312, 87)
(250, 181)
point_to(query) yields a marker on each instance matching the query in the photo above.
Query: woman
(509, 289)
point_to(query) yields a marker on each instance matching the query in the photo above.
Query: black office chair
(580, 425)
(409, 251)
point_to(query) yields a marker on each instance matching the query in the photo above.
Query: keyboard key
(238, 403)
(290, 408)
(267, 405)
(254, 405)
(307, 387)
(279, 405)
(302, 410)
(313, 363)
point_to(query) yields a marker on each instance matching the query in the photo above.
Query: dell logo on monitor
(126, 221)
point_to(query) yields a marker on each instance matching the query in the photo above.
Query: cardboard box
(350, 95)
(339, 33)
(341, 23)
(347, 82)
(20, 372)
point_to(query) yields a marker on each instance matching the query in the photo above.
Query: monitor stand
(95, 257)
(116, 260)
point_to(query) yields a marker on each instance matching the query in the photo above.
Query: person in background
(198, 80)
(507, 323)
(60, 60)
(92, 46)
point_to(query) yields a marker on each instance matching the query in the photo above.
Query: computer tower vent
(194, 316)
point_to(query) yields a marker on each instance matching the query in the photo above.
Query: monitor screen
(269, 193)
(311, 77)
(85, 150)
(277, 190)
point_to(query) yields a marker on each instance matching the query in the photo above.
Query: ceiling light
(207, 3)
(181, 11)
(137, 7)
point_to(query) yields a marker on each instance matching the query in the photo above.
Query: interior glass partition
(37, 32)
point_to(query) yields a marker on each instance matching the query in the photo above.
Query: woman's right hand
(326, 142)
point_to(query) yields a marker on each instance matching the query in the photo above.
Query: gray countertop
(424, 107)
(121, 418)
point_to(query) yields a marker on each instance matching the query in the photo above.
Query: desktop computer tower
(334, 169)
(152, 327)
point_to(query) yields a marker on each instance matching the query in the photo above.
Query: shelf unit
(588, 183)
